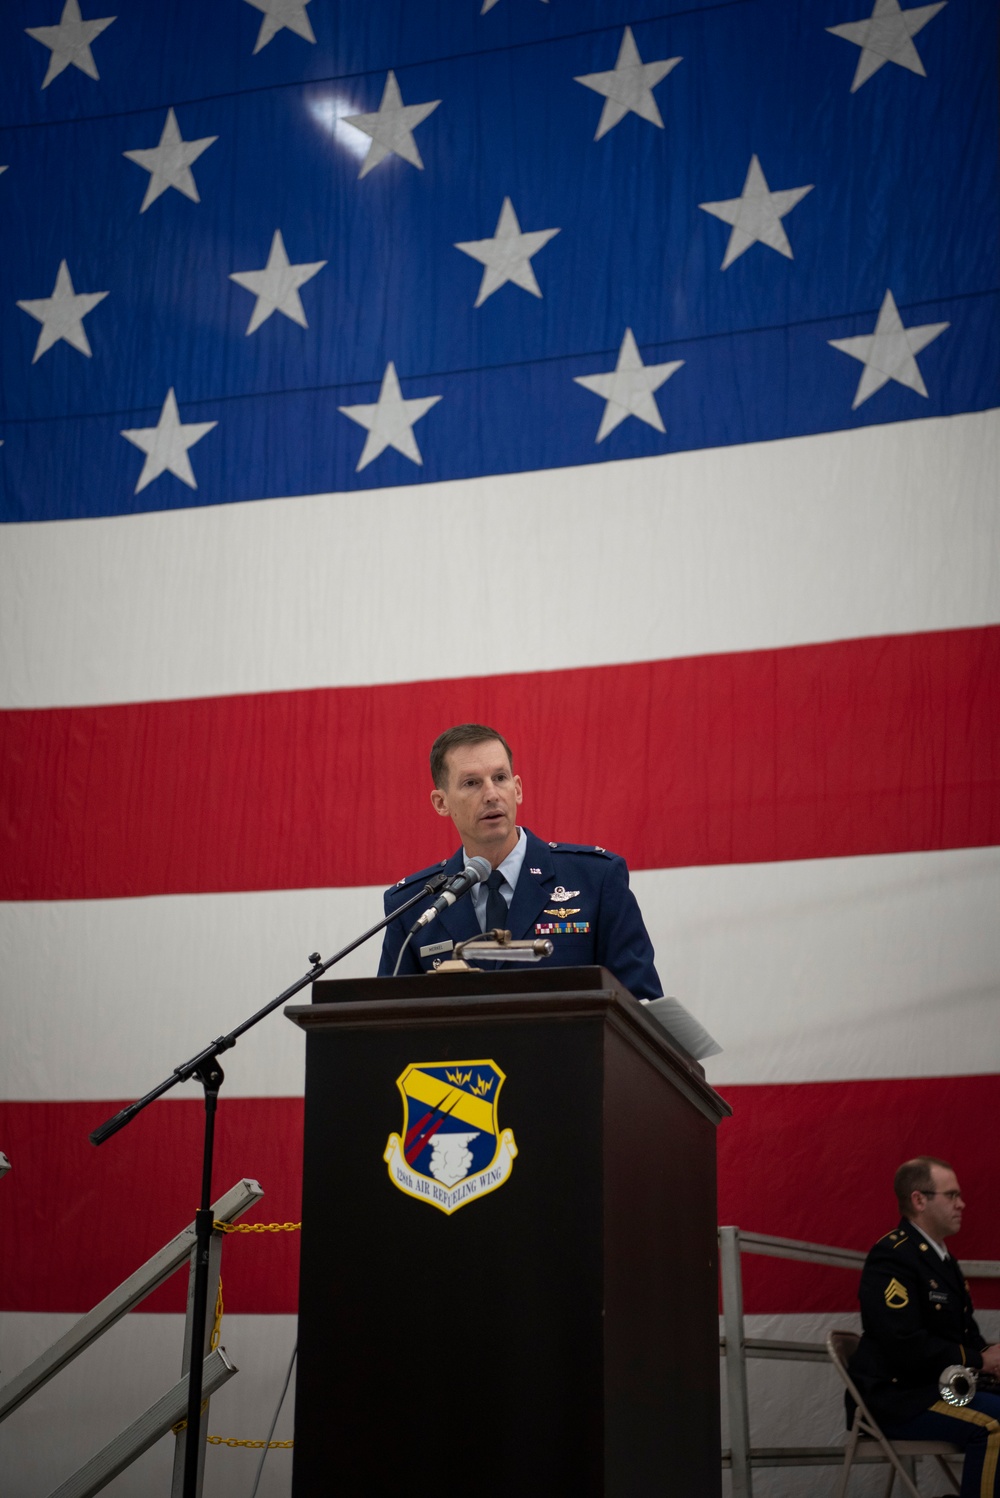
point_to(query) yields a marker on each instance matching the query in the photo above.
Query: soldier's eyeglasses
(952, 1196)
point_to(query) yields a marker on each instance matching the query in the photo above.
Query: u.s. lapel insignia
(896, 1295)
(450, 1149)
(534, 871)
(562, 911)
(563, 894)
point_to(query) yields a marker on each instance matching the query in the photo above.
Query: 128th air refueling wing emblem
(451, 1150)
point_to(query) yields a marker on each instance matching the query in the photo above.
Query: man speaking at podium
(576, 896)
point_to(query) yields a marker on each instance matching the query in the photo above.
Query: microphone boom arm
(187, 1070)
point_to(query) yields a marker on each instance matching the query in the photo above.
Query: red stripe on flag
(866, 746)
(815, 1161)
(810, 1160)
(76, 1220)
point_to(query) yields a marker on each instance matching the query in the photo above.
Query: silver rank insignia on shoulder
(563, 894)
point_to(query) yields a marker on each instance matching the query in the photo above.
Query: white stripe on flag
(830, 537)
(791, 1403)
(123, 1373)
(813, 971)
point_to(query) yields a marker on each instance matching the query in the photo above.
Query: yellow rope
(213, 1344)
(219, 1311)
(175, 1430)
(239, 1227)
(233, 1440)
(257, 1227)
(257, 1445)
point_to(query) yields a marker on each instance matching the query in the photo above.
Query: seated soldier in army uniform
(576, 896)
(918, 1320)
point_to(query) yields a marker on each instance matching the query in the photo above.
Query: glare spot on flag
(329, 111)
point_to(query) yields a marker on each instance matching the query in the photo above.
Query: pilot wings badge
(451, 1149)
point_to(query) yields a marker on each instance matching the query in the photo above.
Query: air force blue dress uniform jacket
(576, 895)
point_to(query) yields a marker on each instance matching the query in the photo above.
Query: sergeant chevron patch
(896, 1295)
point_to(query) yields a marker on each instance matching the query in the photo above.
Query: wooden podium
(544, 1326)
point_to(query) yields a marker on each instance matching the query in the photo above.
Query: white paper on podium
(682, 1027)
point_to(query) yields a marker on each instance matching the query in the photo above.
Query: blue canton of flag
(274, 248)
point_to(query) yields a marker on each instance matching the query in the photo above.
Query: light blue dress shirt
(510, 869)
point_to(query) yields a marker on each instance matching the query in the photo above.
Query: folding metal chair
(841, 1346)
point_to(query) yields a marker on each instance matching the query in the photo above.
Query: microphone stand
(205, 1068)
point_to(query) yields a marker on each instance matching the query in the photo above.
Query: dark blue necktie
(496, 905)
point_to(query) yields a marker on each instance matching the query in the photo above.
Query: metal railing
(130, 1443)
(740, 1457)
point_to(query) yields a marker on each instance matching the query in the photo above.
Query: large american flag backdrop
(622, 373)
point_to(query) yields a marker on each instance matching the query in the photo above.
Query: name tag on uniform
(437, 947)
(939, 1295)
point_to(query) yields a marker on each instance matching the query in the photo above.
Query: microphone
(475, 871)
